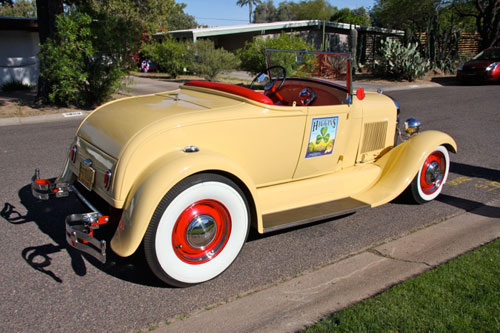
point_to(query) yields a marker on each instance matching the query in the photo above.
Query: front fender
(152, 185)
(401, 164)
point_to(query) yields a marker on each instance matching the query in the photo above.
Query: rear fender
(156, 181)
(401, 164)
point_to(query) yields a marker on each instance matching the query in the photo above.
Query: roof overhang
(276, 27)
(18, 23)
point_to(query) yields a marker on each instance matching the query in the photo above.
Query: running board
(298, 216)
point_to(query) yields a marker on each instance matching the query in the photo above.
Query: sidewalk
(302, 301)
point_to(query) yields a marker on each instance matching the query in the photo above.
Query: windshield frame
(347, 57)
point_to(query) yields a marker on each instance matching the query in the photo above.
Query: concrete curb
(389, 87)
(43, 118)
(302, 301)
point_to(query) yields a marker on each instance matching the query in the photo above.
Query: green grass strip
(462, 295)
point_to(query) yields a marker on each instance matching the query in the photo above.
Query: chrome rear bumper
(79, 227)
(44, 189)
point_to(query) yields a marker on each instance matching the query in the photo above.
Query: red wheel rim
(432, 172)
(201, 231)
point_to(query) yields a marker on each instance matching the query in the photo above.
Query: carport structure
(322, 34)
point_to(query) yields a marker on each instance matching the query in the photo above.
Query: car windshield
(328, 66)
(489, 54)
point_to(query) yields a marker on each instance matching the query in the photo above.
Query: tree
(314, 10)
(242, 3)
(111, 56)
(153, 14)
(91, 52)
(486, 14)
(357, 16)
(286, 11)
(265, 12)
(20, 8)
(402, 14)
(181, 21)
(47, 11)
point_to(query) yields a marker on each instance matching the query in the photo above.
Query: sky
(226, 12)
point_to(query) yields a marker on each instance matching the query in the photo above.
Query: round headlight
(412, 126)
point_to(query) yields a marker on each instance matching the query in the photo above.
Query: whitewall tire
(432, 175)
(197, 230)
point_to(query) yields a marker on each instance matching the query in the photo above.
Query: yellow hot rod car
(188, 172)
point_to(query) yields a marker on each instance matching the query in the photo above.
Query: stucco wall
(18, 57)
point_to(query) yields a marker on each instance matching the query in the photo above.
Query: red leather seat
(232, 89)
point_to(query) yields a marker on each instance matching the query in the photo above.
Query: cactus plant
(400, 62)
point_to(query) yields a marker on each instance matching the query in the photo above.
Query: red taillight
(107, 179)
(74, 150)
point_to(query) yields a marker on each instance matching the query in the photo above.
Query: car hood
(111, 126)
(477, 64)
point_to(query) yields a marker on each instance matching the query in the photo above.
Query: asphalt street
(47, 287)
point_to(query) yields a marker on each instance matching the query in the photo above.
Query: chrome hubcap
(433, 174)
(201, 231)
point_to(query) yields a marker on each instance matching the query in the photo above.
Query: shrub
(208, 61)
(400, 62)
(171, 56)
(90, 55)
(252, 54)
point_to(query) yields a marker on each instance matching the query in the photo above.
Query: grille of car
(374, 136)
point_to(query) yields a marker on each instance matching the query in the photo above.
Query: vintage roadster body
(188, 172)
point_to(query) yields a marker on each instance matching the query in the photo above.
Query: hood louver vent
(374, 136)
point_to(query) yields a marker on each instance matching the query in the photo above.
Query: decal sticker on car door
(322, 137)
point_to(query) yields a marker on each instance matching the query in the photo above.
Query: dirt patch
(22, 104)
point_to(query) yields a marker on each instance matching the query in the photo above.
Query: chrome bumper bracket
(79, 227)
(79, 234)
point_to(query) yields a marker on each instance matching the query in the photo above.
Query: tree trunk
(250, 9)
(47, 10)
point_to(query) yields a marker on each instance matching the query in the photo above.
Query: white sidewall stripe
(189, 273)
(429, 197)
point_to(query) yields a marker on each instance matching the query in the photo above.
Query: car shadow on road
(49, 216)
(446, 81)
(453, 81)
(475, 207)
(475, 171)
